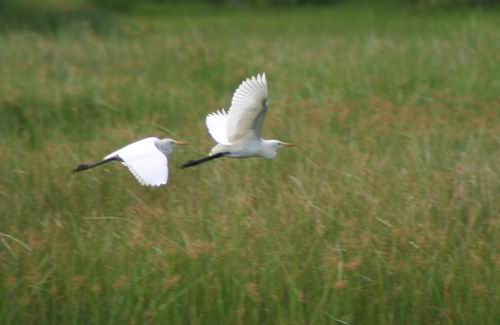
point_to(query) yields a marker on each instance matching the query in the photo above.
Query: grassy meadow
(386, 213)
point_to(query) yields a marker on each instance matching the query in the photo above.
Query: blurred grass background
(386, 213)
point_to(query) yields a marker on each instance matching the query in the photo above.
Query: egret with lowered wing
(237, 132)
(147, 160)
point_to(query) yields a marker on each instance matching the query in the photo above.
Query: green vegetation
(386, 213)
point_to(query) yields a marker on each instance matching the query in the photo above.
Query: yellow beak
(288, 144)
(180, 142)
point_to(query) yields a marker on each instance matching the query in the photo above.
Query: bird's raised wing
(145, 162)
(248, 109)
(217, 126)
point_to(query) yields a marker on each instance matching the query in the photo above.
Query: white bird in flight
(237, 132)
(147, 160)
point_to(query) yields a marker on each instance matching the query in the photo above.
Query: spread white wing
(244, 119)
(148, 164)
(216, 125)
(248, 109)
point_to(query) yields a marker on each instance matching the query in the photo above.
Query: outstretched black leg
(83, 167)
(196, 162)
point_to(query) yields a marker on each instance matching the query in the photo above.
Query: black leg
(83, 167)
(196, 162)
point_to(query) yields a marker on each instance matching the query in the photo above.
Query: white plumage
(238, 131)
(147, 160)
(217, 126)
(248, 109)
(244, 119)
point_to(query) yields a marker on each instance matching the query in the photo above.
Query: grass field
(386, 213)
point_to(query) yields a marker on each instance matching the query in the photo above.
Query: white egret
(237, 132)
(147, 160)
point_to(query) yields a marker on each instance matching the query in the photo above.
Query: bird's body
(147, 160)
(253, 148)
(237, 132)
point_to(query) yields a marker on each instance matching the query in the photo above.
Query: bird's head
(166, 145)
(276, 144)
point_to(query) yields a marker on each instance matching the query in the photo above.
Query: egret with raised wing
(237, 132)
(147, 160)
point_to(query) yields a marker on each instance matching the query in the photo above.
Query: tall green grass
(387, 212)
